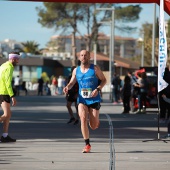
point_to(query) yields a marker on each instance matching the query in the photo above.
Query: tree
(127, 14)
(147, 29)
(68, 15)
(31, 47)
(61, 16)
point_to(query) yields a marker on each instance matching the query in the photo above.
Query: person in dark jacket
(168, 125)
(165, 106)
(116, 84)
(126, 94)
(40, 86)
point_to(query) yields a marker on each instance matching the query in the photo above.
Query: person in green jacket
(7, 94)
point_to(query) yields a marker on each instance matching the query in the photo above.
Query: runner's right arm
(71, 82)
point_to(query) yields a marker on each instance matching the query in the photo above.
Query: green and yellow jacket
(6, 73)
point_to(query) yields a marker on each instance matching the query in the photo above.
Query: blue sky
(19, 22)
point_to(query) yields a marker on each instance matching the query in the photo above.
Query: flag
(162, 57)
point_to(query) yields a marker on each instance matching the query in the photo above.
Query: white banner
(162, 58)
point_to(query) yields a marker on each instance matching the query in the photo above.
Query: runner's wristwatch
(98, 89)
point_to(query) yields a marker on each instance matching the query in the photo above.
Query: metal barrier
(112, 149)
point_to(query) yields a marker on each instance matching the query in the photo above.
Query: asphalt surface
(46, 141)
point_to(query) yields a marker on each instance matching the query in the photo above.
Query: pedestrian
(47, 88)
(142, 84)
(54, 85)
(71, 98)
(126, 94)
(17, 85)
(134, 90)
(24, 87)
(168, 125)
(7, 94)
(88, 100)
(40, 86)
(165, 106)
(116, 84)
(60, 85)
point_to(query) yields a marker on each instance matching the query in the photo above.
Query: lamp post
(142, 58)
(111, 60)
(141, 40)
(95, 54)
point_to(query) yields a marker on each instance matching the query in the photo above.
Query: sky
(19, 21)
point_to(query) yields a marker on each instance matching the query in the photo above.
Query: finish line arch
(166, 2)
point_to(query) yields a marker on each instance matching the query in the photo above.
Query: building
(31, 67)
(61, 46)
(8, 45)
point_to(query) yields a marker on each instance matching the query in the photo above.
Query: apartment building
(61, 46)
(8, 45)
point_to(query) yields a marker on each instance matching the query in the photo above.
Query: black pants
(169, 127)
(164, 107)
(126, 103)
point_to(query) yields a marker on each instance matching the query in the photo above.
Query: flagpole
(153, 35)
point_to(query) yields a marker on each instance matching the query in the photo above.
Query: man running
(7, 94)
(87, 76)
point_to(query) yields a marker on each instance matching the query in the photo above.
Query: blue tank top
(87, 83)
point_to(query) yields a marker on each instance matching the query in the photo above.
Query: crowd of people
(133, 87)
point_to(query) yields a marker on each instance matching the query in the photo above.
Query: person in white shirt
(17, 85)
(60, 85)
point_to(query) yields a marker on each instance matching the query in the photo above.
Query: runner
(87, 76)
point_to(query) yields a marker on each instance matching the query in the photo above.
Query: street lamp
(111, 65)
(95, 54)
(141, 40)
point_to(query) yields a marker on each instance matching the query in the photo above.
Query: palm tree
(31, 47)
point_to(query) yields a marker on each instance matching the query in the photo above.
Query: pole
(94, 53)
(142, 58)
(113, 34)
(111, 66)
(110, 61)
(112, 52)
(153, 35)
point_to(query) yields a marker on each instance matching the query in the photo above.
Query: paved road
(45, 141)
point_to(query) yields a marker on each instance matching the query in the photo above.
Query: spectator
(134, 90)
(142, 83)
(60, 85)
(23, 86)
(54, 84)
(126, 94)
(116, 84)
(165, 106)
(47, 88)
(17, 85)
(168, 125)
(40, 86)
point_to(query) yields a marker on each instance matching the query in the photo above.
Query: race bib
(86, 92)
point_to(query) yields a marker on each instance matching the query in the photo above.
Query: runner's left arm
(100, 76)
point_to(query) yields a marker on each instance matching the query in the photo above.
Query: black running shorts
(95, 106)
(5, 98)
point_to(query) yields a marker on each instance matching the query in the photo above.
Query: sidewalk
(45, 141)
